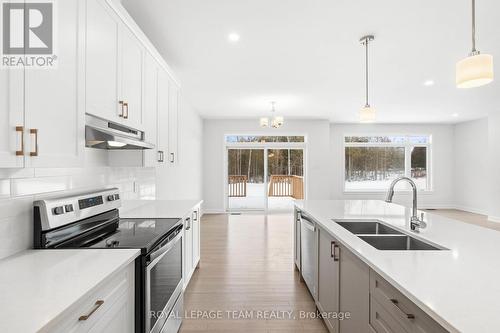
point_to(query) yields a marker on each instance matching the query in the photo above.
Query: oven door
(163, 282)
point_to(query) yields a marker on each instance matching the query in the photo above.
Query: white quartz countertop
(459, 287)
(157, 209)
(36, 286)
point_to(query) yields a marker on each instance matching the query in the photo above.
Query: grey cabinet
(328, 278)
(392, 312)
(354, 292)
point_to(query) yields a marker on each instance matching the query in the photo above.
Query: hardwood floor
(472, 218)
(247, 278)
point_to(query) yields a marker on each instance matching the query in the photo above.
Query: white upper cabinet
(131, 78)
(54, 119)
(152, 157)
(102, 28)
(163, 116)
(12, 147)
(173, 121)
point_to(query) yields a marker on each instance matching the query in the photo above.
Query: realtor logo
(28, 34)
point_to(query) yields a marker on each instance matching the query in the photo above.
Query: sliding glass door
(246, 179)
(265, 178)
(285, 174)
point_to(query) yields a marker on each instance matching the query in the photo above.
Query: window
(263, 139)
(373, 162)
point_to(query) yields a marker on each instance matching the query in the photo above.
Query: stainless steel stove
(91, 220)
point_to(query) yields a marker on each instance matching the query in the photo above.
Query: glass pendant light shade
(475, 71)
(367, 114)
(264, 122)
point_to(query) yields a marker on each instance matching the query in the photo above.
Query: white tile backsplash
(19, 188)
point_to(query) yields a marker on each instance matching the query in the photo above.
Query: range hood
(104, 134)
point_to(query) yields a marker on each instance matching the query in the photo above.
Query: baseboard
(495, 219)
(470, 209)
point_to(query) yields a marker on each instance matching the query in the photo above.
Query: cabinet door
(188, 249)
(102, 60)
(354, 292)
(131, 78)
(54, 115)
(163, 118)
(150, 106)
(173, 121)
(116, 320)
(196, 237)
(328, 277)
(11, 118)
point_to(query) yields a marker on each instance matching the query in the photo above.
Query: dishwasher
(308, 239)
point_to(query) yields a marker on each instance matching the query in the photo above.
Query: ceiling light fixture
(477, 69)
(233, 37)
(429, 83)
(276, 121)
(367, 114)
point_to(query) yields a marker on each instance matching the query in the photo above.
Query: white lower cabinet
(191, 254)
(110, 308)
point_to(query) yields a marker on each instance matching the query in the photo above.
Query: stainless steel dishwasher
(308, 239)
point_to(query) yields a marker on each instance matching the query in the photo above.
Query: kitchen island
(456, 286)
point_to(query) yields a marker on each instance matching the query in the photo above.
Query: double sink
(383, 237)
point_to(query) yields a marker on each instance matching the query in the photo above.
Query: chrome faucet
(415, 222)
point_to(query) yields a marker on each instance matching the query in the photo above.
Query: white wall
(441, 195)
(184, 181)
(493, 166)
(318, 165)
(471, 166)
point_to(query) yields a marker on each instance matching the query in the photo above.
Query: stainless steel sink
(367, 227)
(383, 237)
(398, 243)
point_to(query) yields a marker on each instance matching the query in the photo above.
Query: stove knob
(68, 208)
(111, 197)
(58, 210)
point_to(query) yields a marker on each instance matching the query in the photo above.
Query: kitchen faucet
(415, 222)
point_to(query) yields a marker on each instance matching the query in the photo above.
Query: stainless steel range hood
(104, 134)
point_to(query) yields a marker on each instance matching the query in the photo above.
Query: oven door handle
(158, 254)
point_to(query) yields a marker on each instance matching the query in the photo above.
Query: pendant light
(477, 69)
(367, 114)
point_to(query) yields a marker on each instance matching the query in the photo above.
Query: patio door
(246, 179)
(264, 178)
(285, 174)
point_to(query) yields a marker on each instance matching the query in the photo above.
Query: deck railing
(237, 186)
(286, 186)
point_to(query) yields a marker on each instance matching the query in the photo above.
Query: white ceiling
(305, 55)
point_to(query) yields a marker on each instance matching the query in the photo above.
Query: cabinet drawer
(409, 316)
(107, 293)
(381, 321)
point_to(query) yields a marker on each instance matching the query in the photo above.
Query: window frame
(407, 145)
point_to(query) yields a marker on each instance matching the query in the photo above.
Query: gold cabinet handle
(20, 129)
(122, 113)
(34, 131)
(125, 105)
(97, 305)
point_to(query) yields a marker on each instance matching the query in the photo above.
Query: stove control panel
(57, 212)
